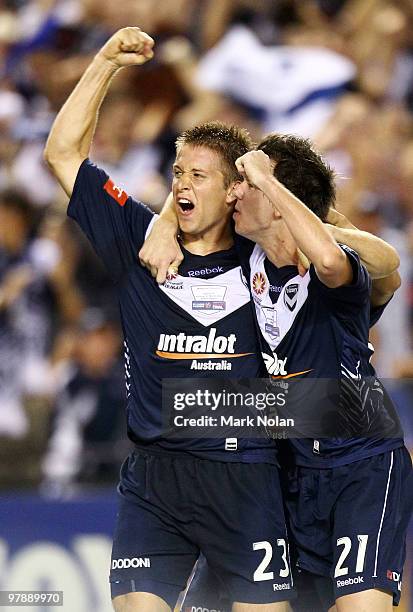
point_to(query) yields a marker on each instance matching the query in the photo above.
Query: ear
(231, 198)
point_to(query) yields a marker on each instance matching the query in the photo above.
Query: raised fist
(255, 166)
(128, 47)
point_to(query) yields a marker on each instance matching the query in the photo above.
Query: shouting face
(201, 198)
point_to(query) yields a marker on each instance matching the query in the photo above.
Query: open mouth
(185, 205)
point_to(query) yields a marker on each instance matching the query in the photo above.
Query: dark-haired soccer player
(347, 501)
(178, 496)
(346, 495)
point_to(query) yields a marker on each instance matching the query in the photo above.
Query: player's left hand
(255, 166)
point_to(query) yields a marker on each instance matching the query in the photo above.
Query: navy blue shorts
(173, 508)
(350, 522)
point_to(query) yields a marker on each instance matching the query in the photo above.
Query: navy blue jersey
(199, 324)
(311, 332)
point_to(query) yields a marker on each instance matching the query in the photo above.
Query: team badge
(171, 276)
(259, 283)
(172, 282)
(290, 296)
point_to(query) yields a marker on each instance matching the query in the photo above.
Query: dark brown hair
(302, 171)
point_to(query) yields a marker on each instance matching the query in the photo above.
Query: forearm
(382, 289)
(168, 214)
(72, 132)
(379, 257)
(309, 232)
(161, 250)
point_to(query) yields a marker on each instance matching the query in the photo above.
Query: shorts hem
(382, 585)
(168, 592)
(276, 597)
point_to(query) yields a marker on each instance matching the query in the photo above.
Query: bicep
(65, 169)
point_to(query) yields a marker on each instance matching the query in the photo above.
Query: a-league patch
(115, 192)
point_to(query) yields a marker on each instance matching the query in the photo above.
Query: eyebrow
(192, 169)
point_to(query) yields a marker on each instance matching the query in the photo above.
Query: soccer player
(347, 501)
(179, 496)
(346, 496)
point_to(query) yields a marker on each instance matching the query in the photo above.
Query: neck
(278, 244)
(209, 241)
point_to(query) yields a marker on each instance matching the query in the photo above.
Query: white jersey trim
(275, 320)
(150, 226)
(208, 300)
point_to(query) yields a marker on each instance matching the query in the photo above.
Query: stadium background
(337, 71)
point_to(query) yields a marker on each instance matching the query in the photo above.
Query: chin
(240, 229)
(188, 227)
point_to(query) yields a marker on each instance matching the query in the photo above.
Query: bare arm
(310, 234)
(382, 289)
(161, 250)
(72, 132)
(380, 258)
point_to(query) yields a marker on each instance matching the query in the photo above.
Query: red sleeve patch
(115, 192)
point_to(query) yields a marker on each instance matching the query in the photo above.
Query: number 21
(361, 554)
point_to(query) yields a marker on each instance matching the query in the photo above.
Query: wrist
(100, 60)
(168, 227)
(266, 182)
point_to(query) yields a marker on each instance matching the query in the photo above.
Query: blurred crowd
(337, 71)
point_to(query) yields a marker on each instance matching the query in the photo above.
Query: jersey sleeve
(114, 223)
(346, 299)
(377, 311)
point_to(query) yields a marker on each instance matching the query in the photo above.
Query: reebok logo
(134, 562)
(200, 609)
(284, 586)
(348, 581)
(206, 271)
(183, 346)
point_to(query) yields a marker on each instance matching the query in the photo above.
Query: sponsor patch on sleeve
(115, 192)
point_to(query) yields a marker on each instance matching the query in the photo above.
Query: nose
(183, 182)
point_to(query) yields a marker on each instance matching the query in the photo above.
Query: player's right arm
(72, 132)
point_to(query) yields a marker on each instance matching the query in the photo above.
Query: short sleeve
(346, 299)
(377, 311)
(114, 223)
